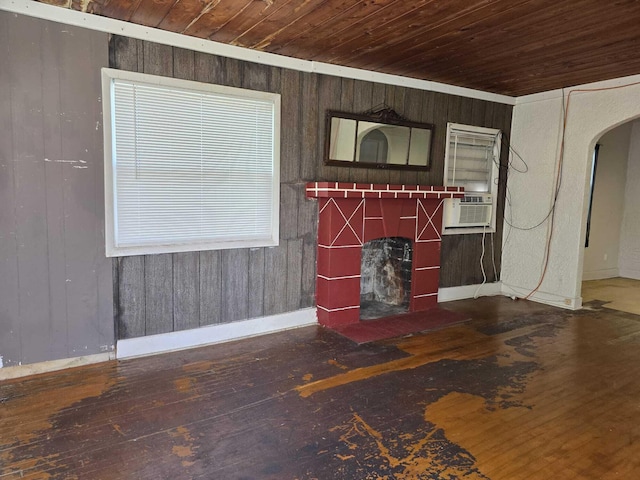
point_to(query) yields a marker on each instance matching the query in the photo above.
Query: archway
(537, 134)
(611, 267)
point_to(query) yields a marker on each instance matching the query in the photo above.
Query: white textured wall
(629, 265)
(601, 257)
(536, 135)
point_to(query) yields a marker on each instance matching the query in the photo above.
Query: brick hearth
(352, 214)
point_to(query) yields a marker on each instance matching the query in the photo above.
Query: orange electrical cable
(556, 186)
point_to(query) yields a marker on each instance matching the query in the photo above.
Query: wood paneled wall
(55, 281)
(164, 293)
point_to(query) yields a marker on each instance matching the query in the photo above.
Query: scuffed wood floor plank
(522, 391)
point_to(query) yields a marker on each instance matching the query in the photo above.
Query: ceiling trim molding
(95, 22)
(555, 94)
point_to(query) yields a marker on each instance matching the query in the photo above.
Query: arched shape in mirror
(374, 147)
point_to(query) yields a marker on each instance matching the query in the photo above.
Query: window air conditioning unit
(471, 161)
(471, 211)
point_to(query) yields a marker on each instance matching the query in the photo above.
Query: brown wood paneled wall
(164, 293)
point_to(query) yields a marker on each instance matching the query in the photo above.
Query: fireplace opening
(385, 277)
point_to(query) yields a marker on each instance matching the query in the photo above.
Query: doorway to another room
(611, 274)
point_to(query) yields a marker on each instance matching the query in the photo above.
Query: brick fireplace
(351, 214)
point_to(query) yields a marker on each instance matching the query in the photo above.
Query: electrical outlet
(605, 257)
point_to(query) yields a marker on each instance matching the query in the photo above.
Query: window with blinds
(471, 161)
(472, 154)
(188, 166)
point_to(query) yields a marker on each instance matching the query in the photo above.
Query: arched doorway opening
(538, 135)
(611, 263)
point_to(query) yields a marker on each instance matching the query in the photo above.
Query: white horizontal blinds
(471, 157)
(191, 166)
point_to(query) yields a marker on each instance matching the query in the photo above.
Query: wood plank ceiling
(512, 47)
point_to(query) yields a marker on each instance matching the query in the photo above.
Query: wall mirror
(377, 139)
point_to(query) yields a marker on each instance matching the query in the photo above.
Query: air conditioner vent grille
(474, 199)
(475, 214)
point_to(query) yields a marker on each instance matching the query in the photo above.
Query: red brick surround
(352, 214)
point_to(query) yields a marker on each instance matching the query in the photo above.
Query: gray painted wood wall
(56, 297)
(164, 293)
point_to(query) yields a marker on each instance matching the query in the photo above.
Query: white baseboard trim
(543, 297)
(601, 274)
(498, 288)
(198, 337)
(450, 294)
(629, 273)
(17, 371)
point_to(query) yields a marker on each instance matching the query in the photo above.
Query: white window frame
(112, 249)
(495, 171)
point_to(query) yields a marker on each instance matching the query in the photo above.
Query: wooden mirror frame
(384, 116)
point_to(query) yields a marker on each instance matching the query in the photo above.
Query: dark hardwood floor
(521, 391)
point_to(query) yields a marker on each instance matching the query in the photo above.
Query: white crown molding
(554, 94)
(103, 24)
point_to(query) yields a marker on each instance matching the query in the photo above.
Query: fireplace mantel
(351, 214)
(380, 190)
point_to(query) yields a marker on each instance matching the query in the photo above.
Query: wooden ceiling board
(551, 56)
(307, 38)
(432, 39)
(184, 13)
(406, 28)
(368, 32)
(443, 56)
(326, 17)
(251, 14)
(512, 47)
(292, 18)
(566, 72)
(121, 9)
(265, 28)
(516, 37)
(92, 6)
(225, 12)
(151, 12)
(529, 53)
